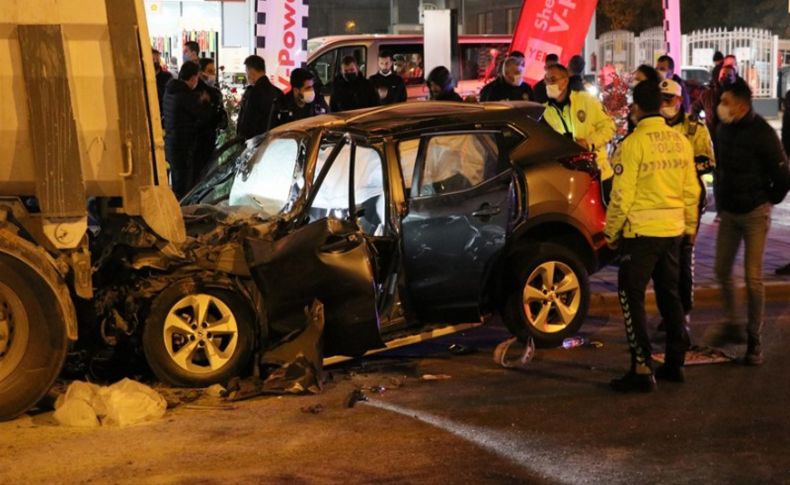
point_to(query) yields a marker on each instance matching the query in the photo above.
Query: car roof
(403, 118)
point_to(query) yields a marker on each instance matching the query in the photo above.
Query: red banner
(551, 27)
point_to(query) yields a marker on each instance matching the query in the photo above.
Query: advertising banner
(551, 27)
(281, 37)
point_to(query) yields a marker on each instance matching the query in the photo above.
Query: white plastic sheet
(124, 403)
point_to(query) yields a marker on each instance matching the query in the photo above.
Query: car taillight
(586, 162)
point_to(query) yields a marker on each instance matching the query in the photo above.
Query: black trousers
(643, 258)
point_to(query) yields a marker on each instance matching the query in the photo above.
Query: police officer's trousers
(641, 259)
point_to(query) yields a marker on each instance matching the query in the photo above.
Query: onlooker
(752, 174)
(581, 117)
(351, 90)
(711, 97)
(218, 119)
(645, 73)
(389, 85)
(300, 102)
(666, 69)
(576, 68)
(162, 76)
(184, 112)
(257, 101)
(718, 61)
(539, 90)
(785, 270)
(654, 204)
(441, 86)
(510, 85)
(191, 52)
(705, 161)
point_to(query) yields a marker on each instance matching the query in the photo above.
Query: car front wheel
(551, 298)
(196, 336)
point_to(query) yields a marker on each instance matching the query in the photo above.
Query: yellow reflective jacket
(655, 190)
(584, 118)
(699, 136)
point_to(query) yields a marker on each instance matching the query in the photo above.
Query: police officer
(510, 85)
(705, 161)
(300, 102)
(389, 85)
(654, 204)
(579, 116)
(258, 99)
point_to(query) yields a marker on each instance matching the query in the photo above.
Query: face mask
(553, 91)
(350, 76)
(308, 96)
(669, 112)
(725, 114)
(517, 81)
(385, 73)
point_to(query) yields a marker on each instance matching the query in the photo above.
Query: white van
(475, 55)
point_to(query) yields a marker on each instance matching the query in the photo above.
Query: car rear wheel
(552, 296)
(196, 336)
(33, 338)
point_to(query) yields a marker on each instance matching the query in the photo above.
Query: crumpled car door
(329, 260)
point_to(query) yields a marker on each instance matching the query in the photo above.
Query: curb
(775, 291)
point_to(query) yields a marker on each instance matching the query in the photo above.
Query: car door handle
(340, 244)
(486, 211)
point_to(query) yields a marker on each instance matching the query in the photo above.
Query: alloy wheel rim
(201, 334)
(551, 297)
(14, 331)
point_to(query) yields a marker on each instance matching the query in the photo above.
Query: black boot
(633, 382)
(671, 373)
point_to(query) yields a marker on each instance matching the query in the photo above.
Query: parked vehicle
(80, 128)
(399, 219)
(476, 54)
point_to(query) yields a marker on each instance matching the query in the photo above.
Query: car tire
(33, 340)
(196, 336)
(548, 313)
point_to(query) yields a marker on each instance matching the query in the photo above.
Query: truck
(80, 144)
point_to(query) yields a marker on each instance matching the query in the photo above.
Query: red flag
(551, 27)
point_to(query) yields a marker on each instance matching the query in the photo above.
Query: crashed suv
(404, 221)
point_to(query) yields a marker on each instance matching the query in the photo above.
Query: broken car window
(459, 161)
(268, 182)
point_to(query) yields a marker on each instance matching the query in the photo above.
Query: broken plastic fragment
(435, 377)
(504, 356)
(355, 396)
(216, 390)
(458, 349)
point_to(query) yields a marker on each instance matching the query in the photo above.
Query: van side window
(324, 67)
(359, 52)
(408, 60)
(477, 59)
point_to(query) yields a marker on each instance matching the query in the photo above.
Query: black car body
(398, 219)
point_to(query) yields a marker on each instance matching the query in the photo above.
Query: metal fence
(757, 51)
(650, 46)
(618, 49)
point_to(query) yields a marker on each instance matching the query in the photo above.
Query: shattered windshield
(271, 180)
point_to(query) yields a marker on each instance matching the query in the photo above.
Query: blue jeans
(752, 229)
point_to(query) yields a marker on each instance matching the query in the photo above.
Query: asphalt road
(554, 422)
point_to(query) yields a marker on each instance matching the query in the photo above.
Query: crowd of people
(653, 185)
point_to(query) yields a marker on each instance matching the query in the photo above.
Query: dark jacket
(356, 94)
(749, 162)
(395, 86)
(286, 110)
(256, 107)
(162, 78)
(449, 95)
(183, 114)
(786, 124)
(576, 83)
(207, 132)
(539, 92)
(501, 90)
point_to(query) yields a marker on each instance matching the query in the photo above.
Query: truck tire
(552, 296)
(33, 341)
(196, 336)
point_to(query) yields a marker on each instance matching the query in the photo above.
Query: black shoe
(784, 270)
(671, 373)
(633, 382)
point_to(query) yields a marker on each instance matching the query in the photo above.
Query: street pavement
(603, 284)
(555, 421)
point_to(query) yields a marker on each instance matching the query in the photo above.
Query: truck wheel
(196, 336)
(33, 338)
(552, 297)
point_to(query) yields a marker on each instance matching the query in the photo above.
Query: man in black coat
(351, 90)
(184, 111)
(300, 102)
(785, 270)
(217, 120)
(510, 85)
(441, 85)
(162, 77)
(257, 101)
(752, 174)
(390, 86)
(576, 69)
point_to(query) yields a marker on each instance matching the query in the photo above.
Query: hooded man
(441, 86)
